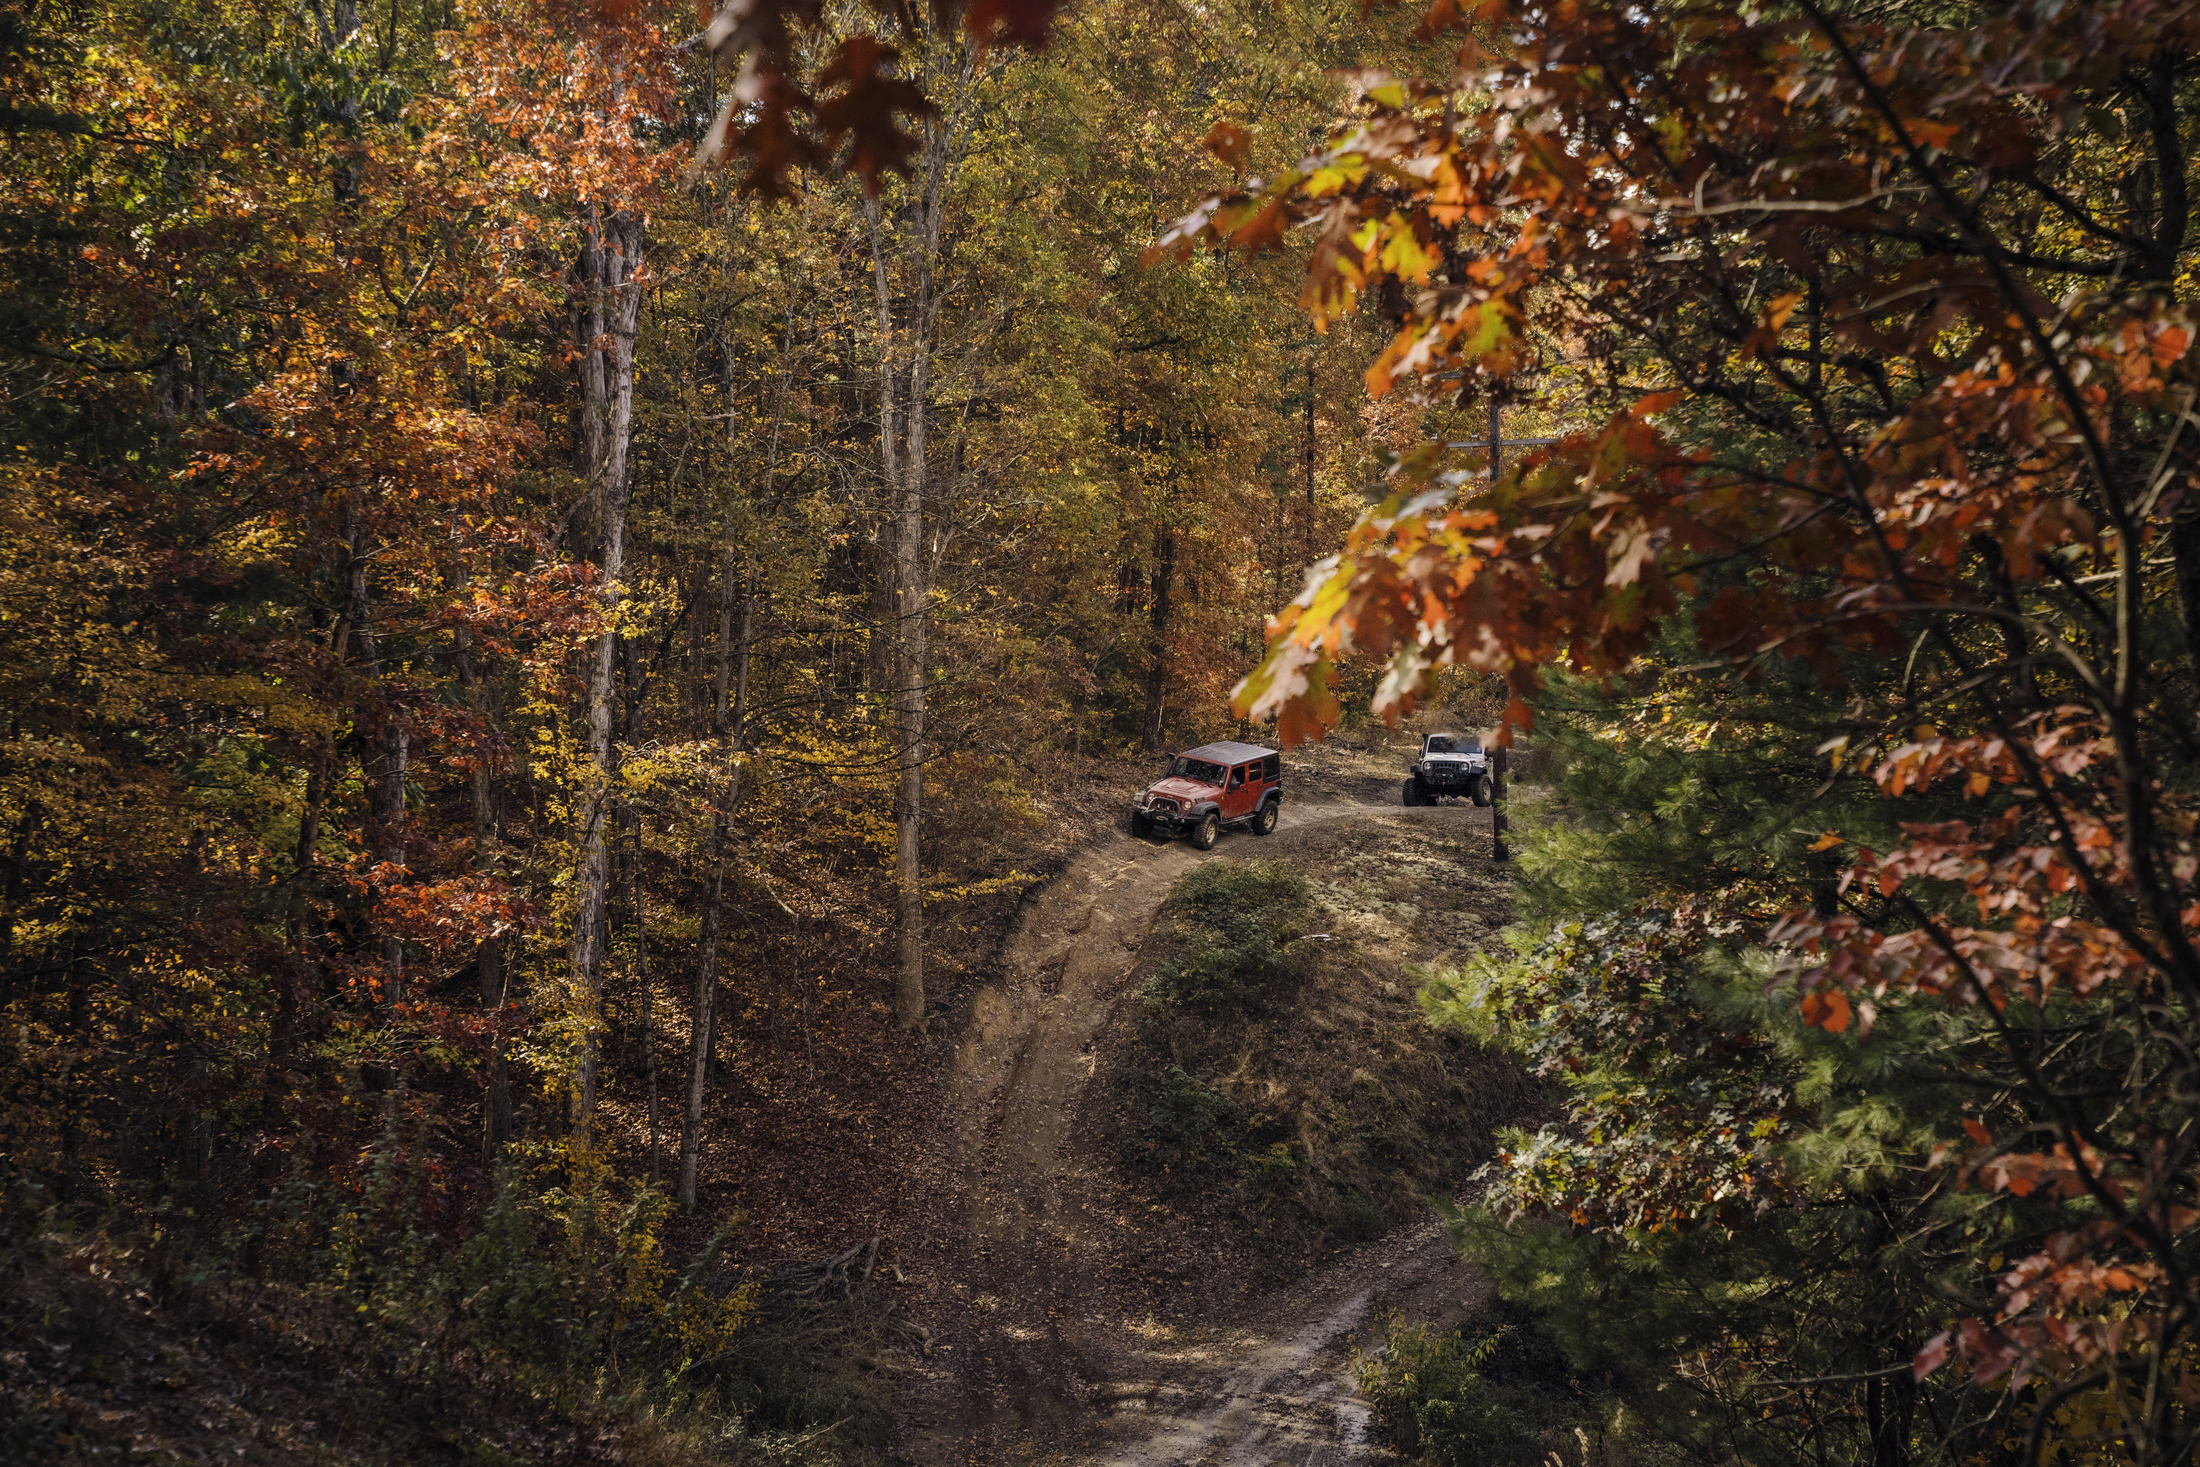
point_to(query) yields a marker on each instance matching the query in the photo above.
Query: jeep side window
(1272, 767)
(1237, 779)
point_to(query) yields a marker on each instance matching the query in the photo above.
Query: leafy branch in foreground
(1877, 333)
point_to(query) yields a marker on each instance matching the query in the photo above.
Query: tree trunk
(905, 356)
(880, 647)
(902, 468)
(1500, 822)
(706, 1003)
(912, 598)
(343, 24)
(496, 1106)
(389, 816)
(730, 712)
(305, 853)
(12, 889)
(703, 1055)
(382, 762)
(649, 1007)
(2184, 544)
(1157, 637)
(1308, 457)
(610, 291)
(2016, 641)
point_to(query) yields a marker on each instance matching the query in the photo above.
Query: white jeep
(1451, 766)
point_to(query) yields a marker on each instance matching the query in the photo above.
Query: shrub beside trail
(1277, 1077)
(1497, 1393)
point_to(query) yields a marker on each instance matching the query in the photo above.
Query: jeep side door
(1260, 782)
(1242, 796)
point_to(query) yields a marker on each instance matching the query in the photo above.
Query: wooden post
(1498, 823)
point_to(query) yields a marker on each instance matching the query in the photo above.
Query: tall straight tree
(737, 585)
(496, 1127)
(566, 108)
(908, 339)
(607, 302)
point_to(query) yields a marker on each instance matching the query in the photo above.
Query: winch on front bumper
(1164, 812)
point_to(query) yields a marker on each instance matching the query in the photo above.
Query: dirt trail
(1048, 1368)
(1277, 1388)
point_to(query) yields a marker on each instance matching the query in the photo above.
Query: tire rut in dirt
(1043, 1366)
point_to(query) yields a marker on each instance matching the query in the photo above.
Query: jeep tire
(1141, 826)
(1264, 822)
(1204, 833)
(1485, 789)
(1411, 794)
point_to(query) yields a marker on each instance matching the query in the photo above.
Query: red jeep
(1210, 787)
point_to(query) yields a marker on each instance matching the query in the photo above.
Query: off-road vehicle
(1210, 787)
(1451, 766)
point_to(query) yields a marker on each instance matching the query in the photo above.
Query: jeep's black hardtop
(1226, 753)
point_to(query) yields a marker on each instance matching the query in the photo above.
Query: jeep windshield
(1199, 769)
(1438, 744)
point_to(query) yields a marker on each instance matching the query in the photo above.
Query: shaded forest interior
(570, 570)
(530, 674)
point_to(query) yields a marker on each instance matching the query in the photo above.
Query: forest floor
(1085, 1313)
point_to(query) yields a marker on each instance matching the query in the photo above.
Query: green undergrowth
(554, 1333)
(1240, 934)
(1497, 1394)
(1282, 1082)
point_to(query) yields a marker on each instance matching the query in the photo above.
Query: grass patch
(1289, 1089)
(1230, 928)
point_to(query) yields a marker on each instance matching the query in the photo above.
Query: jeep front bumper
(1167, 816)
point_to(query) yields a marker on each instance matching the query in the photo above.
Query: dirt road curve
(1276, 1389)
(1047, 1370)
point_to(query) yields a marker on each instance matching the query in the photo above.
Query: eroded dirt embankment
(1078, 1326)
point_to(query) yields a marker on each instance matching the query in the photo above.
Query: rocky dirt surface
(1073, 1323)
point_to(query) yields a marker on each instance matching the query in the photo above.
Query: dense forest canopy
(432, 515)
(496, 494)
